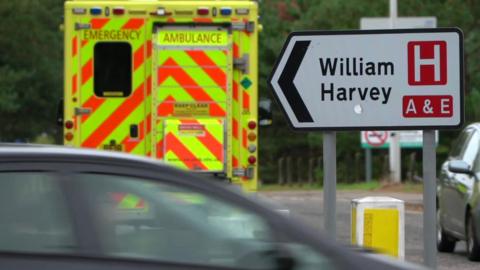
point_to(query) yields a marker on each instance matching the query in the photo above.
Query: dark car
(63, 208)
(458, 195)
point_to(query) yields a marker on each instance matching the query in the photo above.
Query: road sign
(371, 80)
(407, 139)
(399, 22)
(375, 138)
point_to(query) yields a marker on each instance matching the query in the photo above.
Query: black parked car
(458, 195)
(63, 208)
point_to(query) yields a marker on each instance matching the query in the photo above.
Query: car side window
(33, 214)
(476, 163)
(137, 218)
(471, 148)
(460, 144)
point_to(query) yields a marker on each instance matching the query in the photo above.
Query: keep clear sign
(377, 79)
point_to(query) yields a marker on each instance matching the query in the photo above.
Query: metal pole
(394, 149)
(368, 165)
(330, 182)
(395, 157)
(393, 13)
(429, 195)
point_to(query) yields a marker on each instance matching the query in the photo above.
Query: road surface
(308, 207)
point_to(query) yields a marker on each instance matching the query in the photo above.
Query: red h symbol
(427, 63)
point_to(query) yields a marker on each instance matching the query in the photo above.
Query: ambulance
(173, 80)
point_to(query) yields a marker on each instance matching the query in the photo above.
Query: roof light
(79, 10)
(226, 11)
(242, 11)
(203, 11)
(96, 11)
(160, 12)
(118, 11)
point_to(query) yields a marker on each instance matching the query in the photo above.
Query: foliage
(30, 67)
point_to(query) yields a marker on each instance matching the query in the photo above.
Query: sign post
(429, 199)
(370, 80)
(330, 183)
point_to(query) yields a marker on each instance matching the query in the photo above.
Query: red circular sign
(376, 138)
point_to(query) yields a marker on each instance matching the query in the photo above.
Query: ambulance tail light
(252, 124)
(252, 136)
(252, 160)
(69, 124)
(203, 11)
(69, 136)
(118, 11)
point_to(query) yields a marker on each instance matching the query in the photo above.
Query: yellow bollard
(378, 224)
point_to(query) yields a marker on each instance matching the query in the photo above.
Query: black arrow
(286, 81)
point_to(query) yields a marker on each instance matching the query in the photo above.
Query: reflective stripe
(204, 136)
(211, 68)
(115, 118)
(134, 24)
(128, 201)
(74, 46)
(87, 71)
(183, 77)
(183, 155)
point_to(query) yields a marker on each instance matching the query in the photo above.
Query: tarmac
(413, 200)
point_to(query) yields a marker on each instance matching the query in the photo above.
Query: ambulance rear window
(112, 69)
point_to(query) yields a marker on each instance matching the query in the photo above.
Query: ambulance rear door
(191, 96)
(110, 83)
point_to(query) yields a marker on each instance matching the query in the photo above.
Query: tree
(281, 17)
(30, 67)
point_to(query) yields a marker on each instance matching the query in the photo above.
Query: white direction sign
(374, 79)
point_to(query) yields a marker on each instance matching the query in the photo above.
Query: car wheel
(444, 242)
(473, 246)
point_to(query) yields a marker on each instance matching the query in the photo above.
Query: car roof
(475, 125)
(35, 150)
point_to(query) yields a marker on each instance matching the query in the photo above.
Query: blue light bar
(226, 11)
(96, 11)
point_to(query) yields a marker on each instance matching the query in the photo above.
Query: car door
(110, 83)
(447, 190)
(461, 184)
(138, 218)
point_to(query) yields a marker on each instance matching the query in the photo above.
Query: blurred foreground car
(458, 195)
(65, 208)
